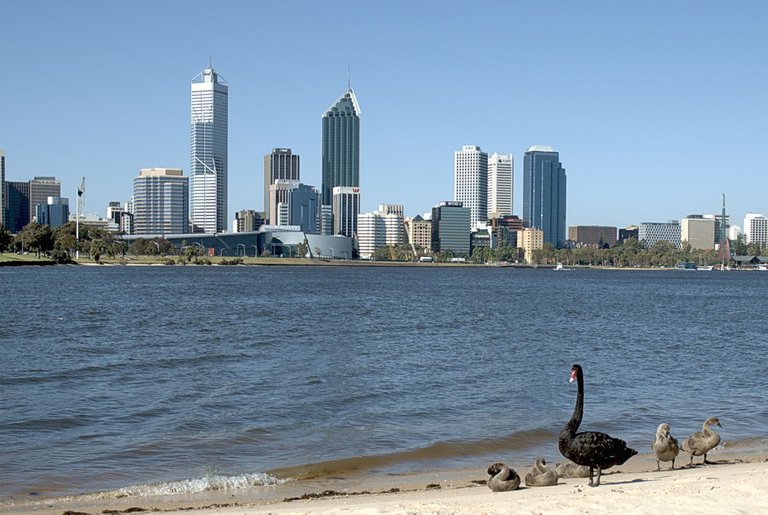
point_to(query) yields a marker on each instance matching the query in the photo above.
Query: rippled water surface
(114, 377)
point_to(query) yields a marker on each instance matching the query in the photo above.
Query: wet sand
(737, 482)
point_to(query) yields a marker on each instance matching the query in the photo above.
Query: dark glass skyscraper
(544, 193)
(341, 145)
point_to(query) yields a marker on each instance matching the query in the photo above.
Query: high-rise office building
(304, 208)
(160, 201)
(346, 207)
(247, 220)
(341, 145)
(470, 182)
(40, 188)
(16, 205)
(698, 231)
(209, 133)
(279, 192)
(281, 163)
(54, 213)
(451, 228)
(544, 193)
(501, 174)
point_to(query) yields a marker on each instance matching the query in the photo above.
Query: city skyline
(645, 110)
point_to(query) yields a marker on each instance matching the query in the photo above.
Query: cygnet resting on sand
(541, 475)
(503, 478)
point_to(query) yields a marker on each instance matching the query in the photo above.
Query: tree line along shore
(37, 243)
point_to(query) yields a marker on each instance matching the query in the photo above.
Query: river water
(164, 379)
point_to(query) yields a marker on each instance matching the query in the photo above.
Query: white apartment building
(699, 232)
(500, 185)
(470, 184)
(756, 229)
(379, 229)
(161, 201)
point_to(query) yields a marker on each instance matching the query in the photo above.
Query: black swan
(665, 446)
(541, 475)
(590, 448)
(503, 478)
(701, 442)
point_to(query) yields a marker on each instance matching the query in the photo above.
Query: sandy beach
(735, 483)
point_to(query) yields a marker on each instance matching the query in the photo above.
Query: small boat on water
(560, 267)
(705, 268)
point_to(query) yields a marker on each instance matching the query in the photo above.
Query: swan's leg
(599, 472)
(673, 464)
(705, 462)
(658, 465)
(690, 463)
(591, 483)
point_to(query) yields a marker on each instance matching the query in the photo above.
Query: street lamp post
(255, 250)
(238, 249)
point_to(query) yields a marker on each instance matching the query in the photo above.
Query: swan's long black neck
(578, 411)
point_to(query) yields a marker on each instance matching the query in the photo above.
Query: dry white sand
(738, 484)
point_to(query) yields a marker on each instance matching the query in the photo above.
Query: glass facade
(451, 228)
(209, 141)
(341, 145)
(54, 213)
(544, 193)
(280, 164)
(40, 188)
(16, 206)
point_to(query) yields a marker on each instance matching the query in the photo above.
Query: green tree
(5, 239)
(64, 238)
(36, 237)
(740, 245)
(301, 249)
(98, 247)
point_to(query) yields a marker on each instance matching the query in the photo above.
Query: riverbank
(737, 482)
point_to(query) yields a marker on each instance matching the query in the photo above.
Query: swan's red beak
(573, 376)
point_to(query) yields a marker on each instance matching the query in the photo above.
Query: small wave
(212, 483)
(520, 441)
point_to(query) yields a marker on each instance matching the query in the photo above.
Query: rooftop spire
(349, 76)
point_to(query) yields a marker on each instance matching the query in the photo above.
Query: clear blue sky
(656, 108)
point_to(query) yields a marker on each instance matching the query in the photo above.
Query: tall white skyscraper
(500, 180)
(470, 182)
(208, 171)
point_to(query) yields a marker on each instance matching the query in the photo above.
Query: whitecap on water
(209, 483)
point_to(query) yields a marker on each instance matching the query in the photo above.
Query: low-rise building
(592, 235)
(530, 239)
